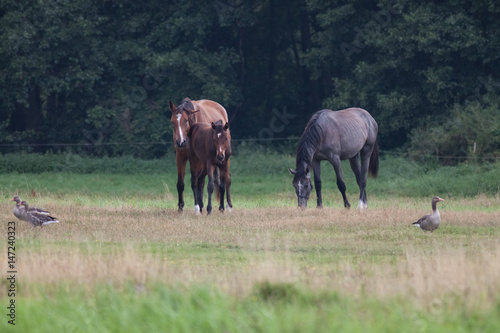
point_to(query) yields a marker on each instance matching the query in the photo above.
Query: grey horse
(335, 136)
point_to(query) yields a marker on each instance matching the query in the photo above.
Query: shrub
(472, 132)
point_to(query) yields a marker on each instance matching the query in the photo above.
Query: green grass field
(123, 260)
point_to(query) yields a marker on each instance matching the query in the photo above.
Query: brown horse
(210, 149)
(183, 117)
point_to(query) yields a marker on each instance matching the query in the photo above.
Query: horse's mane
(186, 104)
(309, 141)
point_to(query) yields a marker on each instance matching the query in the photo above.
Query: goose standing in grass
(18, 210)
(36, 217)
(430, 222)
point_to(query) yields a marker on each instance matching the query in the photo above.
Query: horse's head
(182, 119)
(222, 140)
(302, 184)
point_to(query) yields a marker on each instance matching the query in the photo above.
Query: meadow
(123, 259)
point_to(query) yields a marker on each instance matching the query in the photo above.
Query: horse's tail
(373, 167)
(217, 183)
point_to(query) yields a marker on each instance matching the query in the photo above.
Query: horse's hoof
(229, 208)
(319, 206)
(197, 210)
(362, 205)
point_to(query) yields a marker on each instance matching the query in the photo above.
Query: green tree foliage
(100, 73)
(471, 132)
(410, 62)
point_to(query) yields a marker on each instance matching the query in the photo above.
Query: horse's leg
(217, 181)
(194, 187)
(201, 184)
(194, 167)
(201, 188)
(335, 161)
(210, 186)
(317, 181)
(365, 162)
(222, 186)
(354, 161)
(181, 172)
(228, 187)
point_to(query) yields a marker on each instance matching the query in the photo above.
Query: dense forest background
(95, 77)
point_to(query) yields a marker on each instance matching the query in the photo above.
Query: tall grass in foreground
(269, 308)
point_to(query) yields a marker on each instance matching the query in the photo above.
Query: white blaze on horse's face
(219, 141)
(222, 145)
(181, 126)
(179, 116)
(221, 150)
(303, 190)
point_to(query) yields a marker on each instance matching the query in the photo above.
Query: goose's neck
(434, 207)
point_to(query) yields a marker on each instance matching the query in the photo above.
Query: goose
(18, 210)
(430, 222)
(35, 217)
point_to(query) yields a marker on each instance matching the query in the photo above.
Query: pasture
(123, 259)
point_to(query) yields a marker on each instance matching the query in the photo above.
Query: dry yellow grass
(375, 252)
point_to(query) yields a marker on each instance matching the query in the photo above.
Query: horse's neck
(303, 163)
(192, 120)
(308, 146)
(200, 116)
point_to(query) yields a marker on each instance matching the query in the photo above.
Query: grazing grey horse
(335, 136)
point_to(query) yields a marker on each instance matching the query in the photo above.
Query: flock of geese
(40, 217)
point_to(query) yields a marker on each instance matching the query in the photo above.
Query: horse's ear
(172, 106)
(293, 172)
(190, 113)
(226, 126)
(213, 125)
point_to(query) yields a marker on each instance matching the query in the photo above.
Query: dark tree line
(99, 73)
